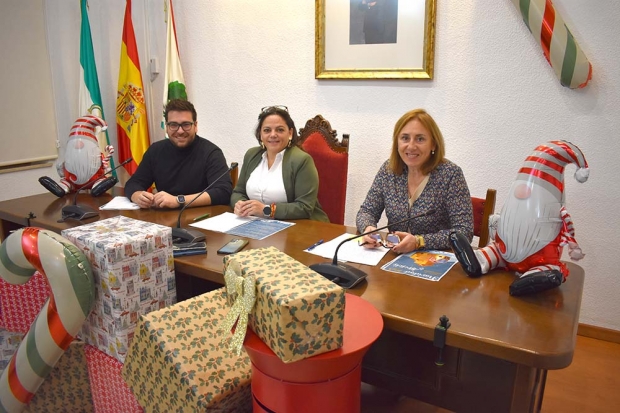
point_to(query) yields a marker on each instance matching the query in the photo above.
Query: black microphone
(180, 235)
(80, 212)
(345, 275)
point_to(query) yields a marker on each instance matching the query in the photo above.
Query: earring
(432, 152)
(262, 145)
(290, 141)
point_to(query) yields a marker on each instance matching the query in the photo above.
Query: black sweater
(183, 171)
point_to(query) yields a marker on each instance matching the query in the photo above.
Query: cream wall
(494, 97)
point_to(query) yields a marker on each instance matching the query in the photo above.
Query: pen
(203, 216)
(316, 244)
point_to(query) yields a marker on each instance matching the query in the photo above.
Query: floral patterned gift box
(297, 313)
(134, 272)
(178, 361)
(67, 388)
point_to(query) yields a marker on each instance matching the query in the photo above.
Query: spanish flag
(131, 120)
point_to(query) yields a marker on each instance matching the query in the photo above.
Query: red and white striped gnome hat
(546, 165)
(86, 126)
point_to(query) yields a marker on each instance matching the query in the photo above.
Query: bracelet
(420, 241)
(273, 211)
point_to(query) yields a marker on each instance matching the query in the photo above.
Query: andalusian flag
(174, 86)
(131, 121)
(90, 95)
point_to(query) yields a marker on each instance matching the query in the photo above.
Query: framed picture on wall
(374, 39)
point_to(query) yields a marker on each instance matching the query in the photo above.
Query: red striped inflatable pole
(559, 46)
(73, 292)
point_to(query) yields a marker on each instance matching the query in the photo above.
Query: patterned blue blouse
(446, 192)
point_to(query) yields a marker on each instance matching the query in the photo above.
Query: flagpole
(152, 76)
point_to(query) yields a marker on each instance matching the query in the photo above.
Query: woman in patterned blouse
(417, 178)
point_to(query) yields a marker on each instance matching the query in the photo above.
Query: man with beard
(533, 226)
(181, 166)
(84, 165)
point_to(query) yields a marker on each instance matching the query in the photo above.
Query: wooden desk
(498, 347)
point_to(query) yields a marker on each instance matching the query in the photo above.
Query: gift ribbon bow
(245, 291)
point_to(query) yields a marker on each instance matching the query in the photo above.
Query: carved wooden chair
(234, 176)
(483, 209)
(331, 158)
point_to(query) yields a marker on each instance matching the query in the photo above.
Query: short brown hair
(180, 105)
(396, 164)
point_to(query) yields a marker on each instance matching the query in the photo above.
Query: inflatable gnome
(84, 165)
(533, 227)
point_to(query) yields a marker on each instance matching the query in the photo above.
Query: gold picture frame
(409, 56)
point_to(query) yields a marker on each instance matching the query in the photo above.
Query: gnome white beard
(82, 159)
(526, 225)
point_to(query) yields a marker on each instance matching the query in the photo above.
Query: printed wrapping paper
(298, 313)
(108, 390)
(178, 361)
(9, 341)
(134, 273)
(20, 303)
(67, 388)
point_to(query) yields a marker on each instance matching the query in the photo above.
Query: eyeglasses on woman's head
(274, 108)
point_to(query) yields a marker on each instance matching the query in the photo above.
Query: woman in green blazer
(278, 179)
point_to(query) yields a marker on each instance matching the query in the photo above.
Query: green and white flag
(174, 85)
(90, 95)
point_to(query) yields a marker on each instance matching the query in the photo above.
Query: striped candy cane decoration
(559, 46)
(73, 292)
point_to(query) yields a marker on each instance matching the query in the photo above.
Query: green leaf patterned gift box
(297, 313)
(67, 388)
(178, 362)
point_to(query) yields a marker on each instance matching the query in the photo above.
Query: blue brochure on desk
(246, 227)
(430, 265)
(259, 228)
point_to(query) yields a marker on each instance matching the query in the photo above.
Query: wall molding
(599, 333)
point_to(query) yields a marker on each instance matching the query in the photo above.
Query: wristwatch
(267, 210)
(181, 199)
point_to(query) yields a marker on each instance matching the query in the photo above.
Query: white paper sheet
(119, 203)
(349, 251)
(221, 223)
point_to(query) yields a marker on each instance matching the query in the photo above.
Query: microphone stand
(182, 235)
(80, 212)
(346, 275)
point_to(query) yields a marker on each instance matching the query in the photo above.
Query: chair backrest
(331, 159)
(483, 209)
(234, 176)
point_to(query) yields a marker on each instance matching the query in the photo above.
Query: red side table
(329, 382)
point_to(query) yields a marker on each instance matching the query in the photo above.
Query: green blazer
(301, 184)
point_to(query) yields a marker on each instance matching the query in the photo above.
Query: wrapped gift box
(9, 341)
(20, 303)
(134, 273)
(108, 390)
(179, 362)
(67, 388)
(298, 313)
